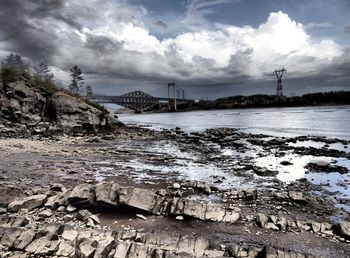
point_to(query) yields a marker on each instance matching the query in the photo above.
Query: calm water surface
(328, 121)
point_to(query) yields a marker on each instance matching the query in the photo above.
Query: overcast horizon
(210, 48)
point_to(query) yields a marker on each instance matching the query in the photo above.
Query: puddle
(333, 182)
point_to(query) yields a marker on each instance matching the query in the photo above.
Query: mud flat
(142, 193)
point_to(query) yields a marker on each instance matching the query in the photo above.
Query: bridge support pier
(171, 85)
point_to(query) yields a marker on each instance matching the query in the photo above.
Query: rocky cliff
(27, 110)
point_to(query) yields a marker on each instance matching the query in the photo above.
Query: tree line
(14, 68)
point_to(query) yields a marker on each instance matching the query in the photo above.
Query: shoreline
(217, 168)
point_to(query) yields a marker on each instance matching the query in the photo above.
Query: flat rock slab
(28, 203)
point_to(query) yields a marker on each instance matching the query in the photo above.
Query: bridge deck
(137, 100)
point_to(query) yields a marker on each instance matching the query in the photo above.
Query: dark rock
(344, 229)
(286, 163)
(82, 195)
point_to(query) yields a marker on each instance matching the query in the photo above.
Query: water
(330, 121)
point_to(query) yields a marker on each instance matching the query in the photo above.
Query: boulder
(316, 227)
(344, 229)
(28, 203)
(65, 249)
(214, 213)
(251, 194)
(138, 198)
(272, 226)
(231, 216)
(58, 188)
(296, 196)
(282, 223)
(85, 248)
(106, 248)
(261, 220)
(9, 237)
(281, 196)
(204, 187)
(326, 228)
(83, 215)
(176, 186)
(43, 246)
(56, 201)
(45, 213)
(322, 163)
(122, 249)
(24, 239)
(82, 195)
(195, 209)
(106, 194)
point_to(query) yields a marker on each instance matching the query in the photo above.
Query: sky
(209, 48)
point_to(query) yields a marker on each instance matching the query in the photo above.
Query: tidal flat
(238, 194)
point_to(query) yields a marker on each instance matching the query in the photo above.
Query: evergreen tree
(43, 72)
(77, 79)
(89, 91)
(13, 68)
(14, 62)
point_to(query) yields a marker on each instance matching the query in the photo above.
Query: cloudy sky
(210, 48)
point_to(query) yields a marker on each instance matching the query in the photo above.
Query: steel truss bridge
(138, 100)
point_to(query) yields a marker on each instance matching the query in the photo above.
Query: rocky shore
(141, 193)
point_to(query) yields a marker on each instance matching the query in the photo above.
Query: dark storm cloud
(347, 29)
(108, 39)
(21, 35)
(339, 70)
(161, 24)
(102, 44)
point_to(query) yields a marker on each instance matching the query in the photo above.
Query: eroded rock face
(72, 113)
(21, 103)
(113, 195)
(86, 238)
(28, 110)
(65, 241)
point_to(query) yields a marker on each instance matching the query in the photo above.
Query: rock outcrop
(27, 110)
(114, 195)
(62, 223)
(64, 241)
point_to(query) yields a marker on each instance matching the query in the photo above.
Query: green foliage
(43, 84)
(15, 62)
(87, 101)
(43, 72)
(13, 68)
(9, 75)
(96, 105)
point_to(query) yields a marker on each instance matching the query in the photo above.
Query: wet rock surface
(142, 193)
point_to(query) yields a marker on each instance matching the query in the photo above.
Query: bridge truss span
(136, 100)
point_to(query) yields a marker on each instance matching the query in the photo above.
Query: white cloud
(198, 9)
(111, 40)
(278, 42)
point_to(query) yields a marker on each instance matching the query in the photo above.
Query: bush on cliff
(47, 87)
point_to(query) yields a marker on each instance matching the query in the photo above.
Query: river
(329, 121)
